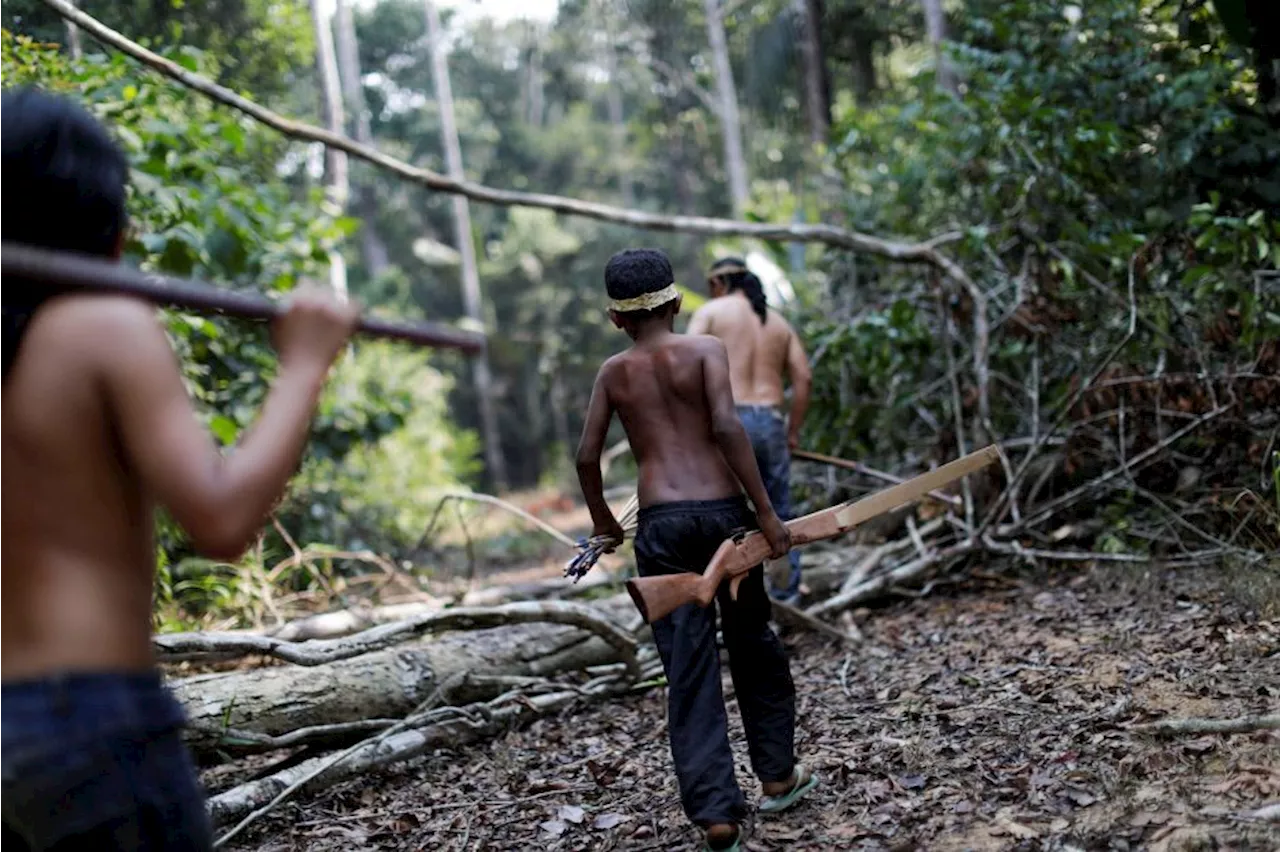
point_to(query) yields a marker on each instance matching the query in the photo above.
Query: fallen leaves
(986, 721)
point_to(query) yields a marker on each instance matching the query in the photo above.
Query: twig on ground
(1240, 725)
(793, 616)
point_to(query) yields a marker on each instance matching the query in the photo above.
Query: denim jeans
(96, 761)
(767, 429)
(682, 536)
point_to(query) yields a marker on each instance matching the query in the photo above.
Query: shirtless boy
(672, 394)
(761, 346)
(97, 431)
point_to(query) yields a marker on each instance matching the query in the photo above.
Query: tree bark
(379, 685)
(73, 37)
(471, 296)
(730, 122)
(337, 186)
(935, 24)
(374, 248)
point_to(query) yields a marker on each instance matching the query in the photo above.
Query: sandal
(805, 781)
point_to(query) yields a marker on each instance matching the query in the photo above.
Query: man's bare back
(98, 428)
(759, 353)
(660, 393)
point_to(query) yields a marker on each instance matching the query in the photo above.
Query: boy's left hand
(611, 530)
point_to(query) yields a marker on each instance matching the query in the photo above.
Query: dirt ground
(994, 717)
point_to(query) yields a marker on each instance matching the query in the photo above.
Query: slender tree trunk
(471, 297)
(730, 123)
(935, 24)
(613, 97)
(73, 36)
(374, 248)
(815, 96)
(337, 186)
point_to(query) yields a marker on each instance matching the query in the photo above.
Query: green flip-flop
(805, 781)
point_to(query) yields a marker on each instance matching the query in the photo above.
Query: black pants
(96, 761)
(674, 537)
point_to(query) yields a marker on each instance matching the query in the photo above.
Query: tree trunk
(730, 123)
(380, 685)
(337, 187)
(613, 99)
(815, 95)
(935, 24)
(374, 248)
(471, 297)
(73, 36)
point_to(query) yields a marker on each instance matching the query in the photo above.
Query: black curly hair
(64, 189)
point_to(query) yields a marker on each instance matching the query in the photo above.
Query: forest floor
(992, 717)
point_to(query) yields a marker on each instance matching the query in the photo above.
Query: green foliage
(206, 200)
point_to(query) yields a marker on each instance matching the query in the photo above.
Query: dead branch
(909, 252)
(1049, 509)
(858, 467)
(792, 616)
(321, 651)
(1011, 487)
(344, 622)
(1241, 725)
(882, 583)
(477, 497)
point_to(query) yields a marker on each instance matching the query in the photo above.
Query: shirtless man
(672, 394)
(761, 346)
(98, 430)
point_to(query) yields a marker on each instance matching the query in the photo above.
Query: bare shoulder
(778, 321)
(703, 345)
(98, 325)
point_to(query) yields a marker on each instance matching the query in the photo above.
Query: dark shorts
(96, 761)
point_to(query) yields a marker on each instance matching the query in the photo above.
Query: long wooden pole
(22, 264)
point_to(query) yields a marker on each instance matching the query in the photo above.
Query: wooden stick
(858, 467)
(24, 264)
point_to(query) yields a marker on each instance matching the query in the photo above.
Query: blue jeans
(767, 429)
(96, 761)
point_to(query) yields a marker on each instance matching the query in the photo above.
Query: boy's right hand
(313, 328)
(776, 533)
(612, 531)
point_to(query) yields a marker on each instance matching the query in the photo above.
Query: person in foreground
(672, 394)
(761, 346)
(98, 429)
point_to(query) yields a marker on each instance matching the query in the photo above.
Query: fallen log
(441, 727)
(385, 684)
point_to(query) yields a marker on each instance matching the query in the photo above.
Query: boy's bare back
(664, 395)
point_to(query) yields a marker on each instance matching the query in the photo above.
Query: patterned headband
(646, 301)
